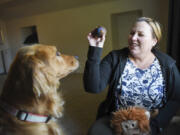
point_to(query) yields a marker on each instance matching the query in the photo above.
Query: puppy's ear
(18, 84)
(44, 79)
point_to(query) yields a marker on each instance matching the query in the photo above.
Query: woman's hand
(96, 42)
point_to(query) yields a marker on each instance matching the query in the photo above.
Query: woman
(137, 75)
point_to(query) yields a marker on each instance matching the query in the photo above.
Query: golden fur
(31, 85)
(130, 113)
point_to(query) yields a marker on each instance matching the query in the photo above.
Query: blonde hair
(156, 28)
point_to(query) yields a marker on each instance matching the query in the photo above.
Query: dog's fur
(31, 85)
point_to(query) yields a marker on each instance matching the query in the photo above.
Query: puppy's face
(49, 65)
(49, 60)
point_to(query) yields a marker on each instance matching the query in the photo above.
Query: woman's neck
(142, 61)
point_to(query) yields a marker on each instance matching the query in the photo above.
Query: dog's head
(35, 73)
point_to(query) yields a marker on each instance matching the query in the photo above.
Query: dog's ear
(44, 77)
(18, 84)
(29, 76)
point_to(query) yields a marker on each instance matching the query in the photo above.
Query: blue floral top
(142, 87)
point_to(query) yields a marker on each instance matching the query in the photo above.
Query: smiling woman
(138, 75)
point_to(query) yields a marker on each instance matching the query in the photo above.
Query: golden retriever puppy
(30, 102)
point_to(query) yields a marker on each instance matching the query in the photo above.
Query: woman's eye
(131, 33)
(58, 53)
(140, 34)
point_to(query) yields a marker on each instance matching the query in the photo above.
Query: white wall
(68, 29)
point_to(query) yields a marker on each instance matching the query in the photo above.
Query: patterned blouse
(142, 87)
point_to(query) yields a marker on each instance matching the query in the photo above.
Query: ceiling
(10, 9)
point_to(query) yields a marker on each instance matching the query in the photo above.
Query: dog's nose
(76, 57)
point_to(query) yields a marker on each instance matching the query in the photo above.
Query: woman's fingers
(96, 41)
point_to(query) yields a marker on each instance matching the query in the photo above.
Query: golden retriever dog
(30, 102)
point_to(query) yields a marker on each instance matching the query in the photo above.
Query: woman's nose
(134, 37)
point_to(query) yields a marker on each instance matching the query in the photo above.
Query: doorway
(121, 25)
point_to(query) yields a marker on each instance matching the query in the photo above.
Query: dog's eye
(58, 53)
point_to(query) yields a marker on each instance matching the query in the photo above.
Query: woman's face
(140, 39)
